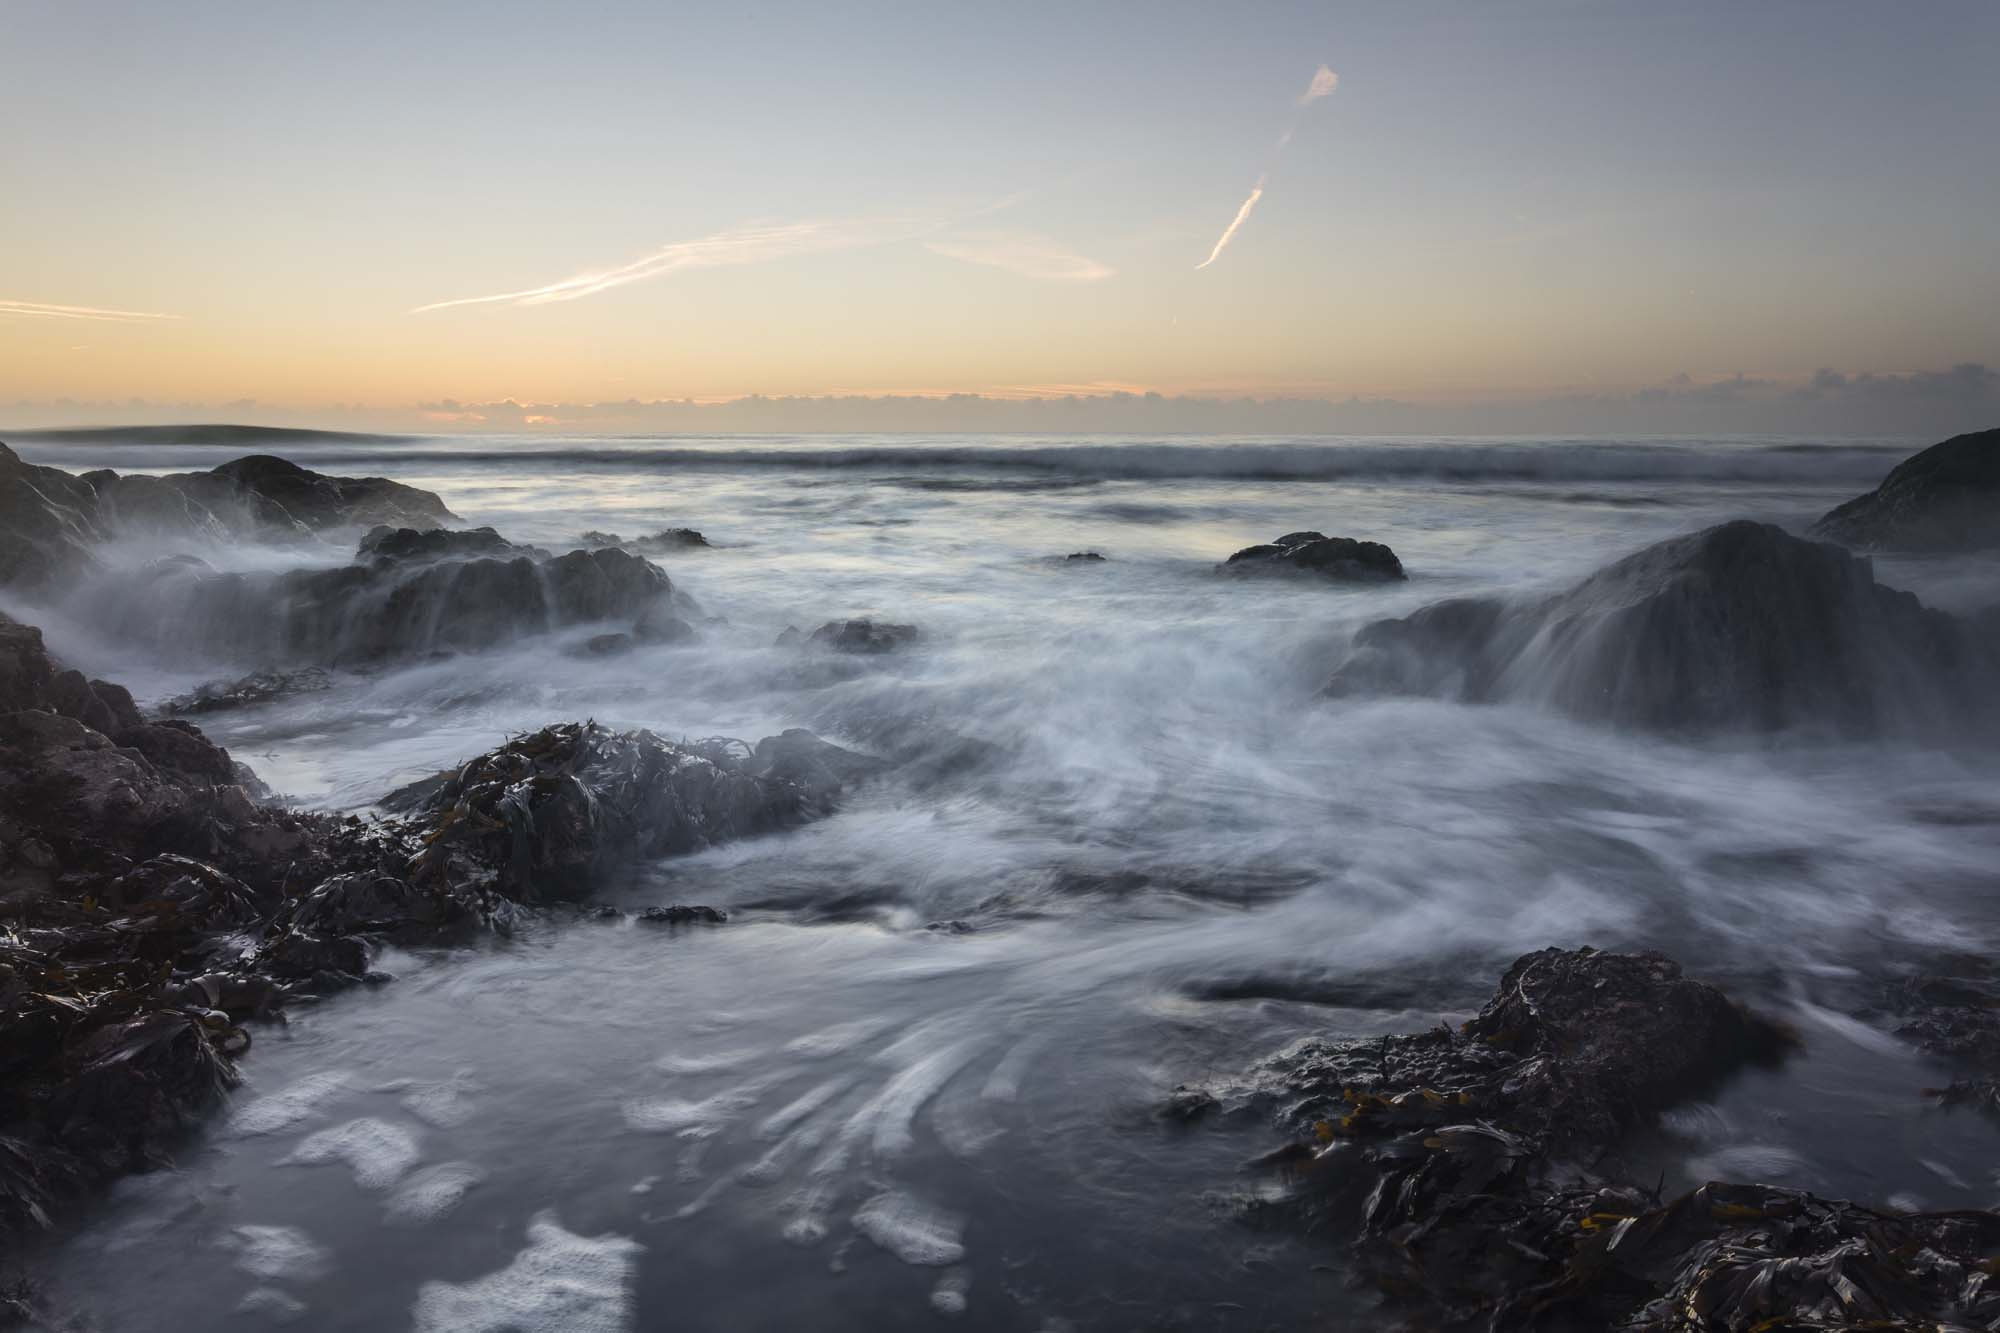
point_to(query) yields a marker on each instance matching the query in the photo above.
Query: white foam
(910, 1229)
(948, 1297)
(277, 1306)
(284, 1253)
(840, 1037)
(446, 1105)
(704, 1064)
(287, 1107)
(432, 1192)
(377, 1151)
(560, 1283)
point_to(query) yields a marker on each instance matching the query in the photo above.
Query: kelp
(1476, 1170)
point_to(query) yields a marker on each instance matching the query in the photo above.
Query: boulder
(1946, 498)
(1741, 626)
(867, 637)
(1340, 559)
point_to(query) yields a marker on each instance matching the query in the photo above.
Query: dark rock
(1738, 626)
(607, 645)
(658, 624)
(558, 813)
(667, 539)
(259, 687)
(1088, 557)
(862, 636)
(1341, 559)
(788, 637)
(321, 502)
(1946, 498)
(819, 768)
(387, 543)
(179, 749)
(365, 903)
(1454, 1158)
(48, 524)
(684, 914)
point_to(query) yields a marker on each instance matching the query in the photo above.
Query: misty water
(916, 1075)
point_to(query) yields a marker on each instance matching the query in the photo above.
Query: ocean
(918, 1074)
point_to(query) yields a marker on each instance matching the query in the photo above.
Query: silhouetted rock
(1946, 498)
(862, 636)
(1341, 559)
(1738, 626)
(667, 539)
(1087, 557)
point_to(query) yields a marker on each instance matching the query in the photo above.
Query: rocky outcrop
(409, 595)
(48, 524)
(1946, 498)
(50, 521)
(149, 908)
(1340, 559)
(1741, 626)
(1477, 1170)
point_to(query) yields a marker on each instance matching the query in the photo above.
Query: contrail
(1324, 81)
(1242, 214)
(77, 312)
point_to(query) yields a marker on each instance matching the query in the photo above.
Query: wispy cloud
(1324, 81)
(1235, 224)
(738, 245)
(1030, 255)
(38, 309)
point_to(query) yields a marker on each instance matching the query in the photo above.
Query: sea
(916, 1080)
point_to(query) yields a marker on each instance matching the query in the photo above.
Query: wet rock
(866, 637)
(259, 687)
(555, 814)
(684, 914)
(1741, 626)
(819, 768)
(1946, 498)
(376, 904)
(658, 624)
(1341, 559)
(1476, 1169)
(607, 645)
(398, 544)
(661, 542)
(48, 524)
(392, 608)
(1086, 557)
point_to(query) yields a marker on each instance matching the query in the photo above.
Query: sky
(1540, 215)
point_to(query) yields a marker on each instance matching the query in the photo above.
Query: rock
(1946, 498)
(684, 914)
(50, 521)
(556, 814)
(819, 768)
(259, 687)
(1740, 626)
(667, 539)
(862, 636)
(365, 903)
(48, 525)
(607, 645)
(1341, 559)
(1087, 557)
(658, 624)
(387, 543)
(1477, 1170)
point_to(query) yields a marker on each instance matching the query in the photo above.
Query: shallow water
(914, 1077)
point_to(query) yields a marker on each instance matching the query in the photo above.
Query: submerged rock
(259, 687)
(1341, 559)
(684, 914)
(1739, 626)
(867, 637)
(1946, 498)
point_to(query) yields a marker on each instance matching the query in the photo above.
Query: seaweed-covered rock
(1738, 626)
(259, 687)
(1458, 1161)
(1946, 498)
(865, 637)
(684, 914)
(1341, 559)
